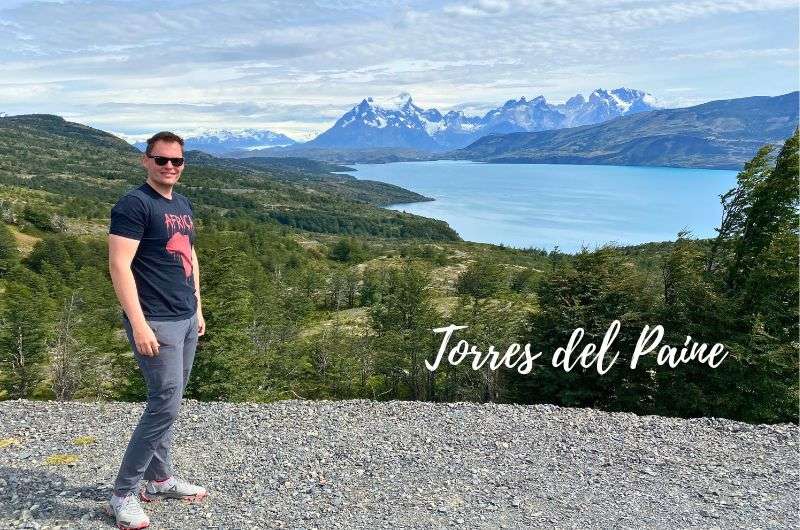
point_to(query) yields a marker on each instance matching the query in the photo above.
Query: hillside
(718, 135)
(318, 175)
(73, 167)
(361, 464)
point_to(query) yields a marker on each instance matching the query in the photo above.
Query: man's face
(168, 174)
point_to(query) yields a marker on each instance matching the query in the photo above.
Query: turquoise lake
(544, 205)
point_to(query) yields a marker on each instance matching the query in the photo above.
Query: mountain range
(719, 134)
(620, 126)
(400, 123)
(218, 142)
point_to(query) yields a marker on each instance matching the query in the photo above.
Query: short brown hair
(164, 136)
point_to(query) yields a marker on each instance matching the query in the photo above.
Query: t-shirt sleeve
(128, 218)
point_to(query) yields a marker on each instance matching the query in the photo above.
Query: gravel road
(364, 464)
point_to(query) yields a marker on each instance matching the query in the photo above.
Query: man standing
(156, 277)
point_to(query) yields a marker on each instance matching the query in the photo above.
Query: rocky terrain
(364, 464)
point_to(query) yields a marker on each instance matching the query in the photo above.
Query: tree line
(350, 320)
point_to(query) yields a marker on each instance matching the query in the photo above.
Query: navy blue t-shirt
(162, 266)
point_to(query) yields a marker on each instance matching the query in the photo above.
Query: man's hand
(146, 342)
(201, 324)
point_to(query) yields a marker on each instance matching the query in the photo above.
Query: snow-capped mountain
(217, 142)
(522, 115)
(605, 105)
(399, 122)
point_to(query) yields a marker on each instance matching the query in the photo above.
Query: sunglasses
(162, 160)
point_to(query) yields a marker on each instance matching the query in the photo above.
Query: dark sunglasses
(162, 160)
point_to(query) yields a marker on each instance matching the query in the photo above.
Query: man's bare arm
(201, 323)
(121, 251)
(196, 274)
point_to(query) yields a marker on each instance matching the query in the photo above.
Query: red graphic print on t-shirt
(179, 244)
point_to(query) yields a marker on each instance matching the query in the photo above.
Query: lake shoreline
(559, 205)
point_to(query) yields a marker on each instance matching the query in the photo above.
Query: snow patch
(650, 100)
(395, 103)
(622, 105)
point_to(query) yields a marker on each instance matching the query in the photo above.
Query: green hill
(79, 167)
(316, 174)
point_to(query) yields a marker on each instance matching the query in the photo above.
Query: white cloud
(10, 93)
(253, 63)
(738, 55)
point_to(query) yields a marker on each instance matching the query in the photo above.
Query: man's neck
(165, 191)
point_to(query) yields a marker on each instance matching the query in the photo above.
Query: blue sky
(134, 67)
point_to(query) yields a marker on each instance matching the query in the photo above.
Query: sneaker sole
(157, 497)
(121, 526)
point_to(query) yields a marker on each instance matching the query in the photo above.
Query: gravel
(366, 464)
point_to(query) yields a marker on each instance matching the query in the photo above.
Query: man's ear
(144, 161)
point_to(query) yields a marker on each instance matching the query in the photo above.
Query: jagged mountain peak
(398, 122)
(575, 101)
(399, 102)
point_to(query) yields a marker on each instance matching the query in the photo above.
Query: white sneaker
(172, 488)
(128, 512)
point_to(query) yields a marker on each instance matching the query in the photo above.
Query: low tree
(68, 355)
(347, 250)
(403, 321)
(9, 253)
(24, 327)
(482, 279)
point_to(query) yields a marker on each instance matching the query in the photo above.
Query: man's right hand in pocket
(146, 341)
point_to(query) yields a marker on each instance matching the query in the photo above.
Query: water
(544, 205)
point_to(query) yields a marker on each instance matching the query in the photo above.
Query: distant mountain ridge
(400, 123)
(719, 135)
(221, 141)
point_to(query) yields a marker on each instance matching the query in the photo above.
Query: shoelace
(181, 484)
(131, 498)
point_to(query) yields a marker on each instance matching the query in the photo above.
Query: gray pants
(166, 375)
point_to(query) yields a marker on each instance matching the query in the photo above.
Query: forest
(311, 291)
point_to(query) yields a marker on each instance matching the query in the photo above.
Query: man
(156, 277)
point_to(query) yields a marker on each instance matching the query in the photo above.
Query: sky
(133, 67)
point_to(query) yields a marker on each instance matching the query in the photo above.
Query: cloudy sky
(133, 67)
